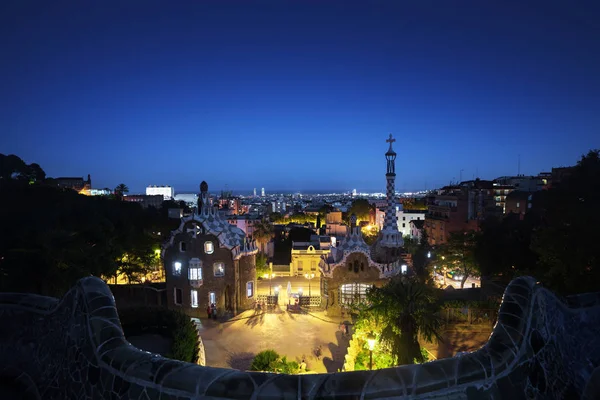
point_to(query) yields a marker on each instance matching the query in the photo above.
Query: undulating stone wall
(201, 352)
(75, 348)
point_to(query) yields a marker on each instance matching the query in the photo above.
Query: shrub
(264, 361)
(270, 361)
(173, 324)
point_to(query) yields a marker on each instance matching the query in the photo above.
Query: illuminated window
(176, 268)
(518, 204)
(177, 296)
(250, 289)
(212, 298)
(194, 298)
(195, 270)
(353, 293)
(209, 248)
(219, 268)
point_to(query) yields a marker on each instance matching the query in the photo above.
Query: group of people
(211, 311)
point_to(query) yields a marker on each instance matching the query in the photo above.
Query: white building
(167, 192)
(404, 218)
(262, 192)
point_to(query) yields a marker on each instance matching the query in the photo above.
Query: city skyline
(298, 96)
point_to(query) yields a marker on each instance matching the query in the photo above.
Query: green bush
(270, 361)
(264, 361)
(173, 324)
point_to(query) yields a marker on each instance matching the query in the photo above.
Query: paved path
(234, 344)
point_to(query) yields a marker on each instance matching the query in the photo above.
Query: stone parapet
(75, 348)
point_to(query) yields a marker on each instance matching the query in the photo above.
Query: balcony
(196, 283)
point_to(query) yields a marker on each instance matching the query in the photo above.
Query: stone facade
(540, 348)
(356, 271)
(221, 275)
(208, 261)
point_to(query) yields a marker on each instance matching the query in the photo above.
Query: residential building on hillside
(75, 183)
(416, 229)
(500, 193)
(518, 202)
(209, 261)
(521, 182)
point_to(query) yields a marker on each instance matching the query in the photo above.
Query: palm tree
(121, 189)
(262, 233)
(405, 309)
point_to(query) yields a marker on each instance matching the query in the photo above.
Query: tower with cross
(390, 236)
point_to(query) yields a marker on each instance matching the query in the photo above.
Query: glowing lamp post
(371, 344)
(309, 277)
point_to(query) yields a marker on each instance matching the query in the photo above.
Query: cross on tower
(390, 140)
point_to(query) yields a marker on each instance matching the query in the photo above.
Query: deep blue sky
(297, 94)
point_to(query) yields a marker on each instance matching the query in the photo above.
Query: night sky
(297, 95)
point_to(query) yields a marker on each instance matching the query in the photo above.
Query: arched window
(209, 247)
(352, 293)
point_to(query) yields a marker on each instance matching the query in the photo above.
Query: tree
(75, 236)
(13, 167)
(271, 361)
(565, 240)
(421, 257)
(361, 208)
(370, 234)
(262, 267)
(262, 233)
(121, 189)
(459, 254)
(405, 309)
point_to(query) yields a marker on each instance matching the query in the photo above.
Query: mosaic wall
(74, 348)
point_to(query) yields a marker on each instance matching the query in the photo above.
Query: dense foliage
(51, 237)
(458, 255)
(398, 313)
(556, 241)
(262, 267)
(271, 361)
(361, 208)
(175, 325)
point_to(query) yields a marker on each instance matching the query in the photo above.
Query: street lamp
(371, 344)
(309, 277)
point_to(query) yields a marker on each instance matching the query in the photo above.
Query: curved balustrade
(75, 348)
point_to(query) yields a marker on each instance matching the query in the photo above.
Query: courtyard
(233, 344)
